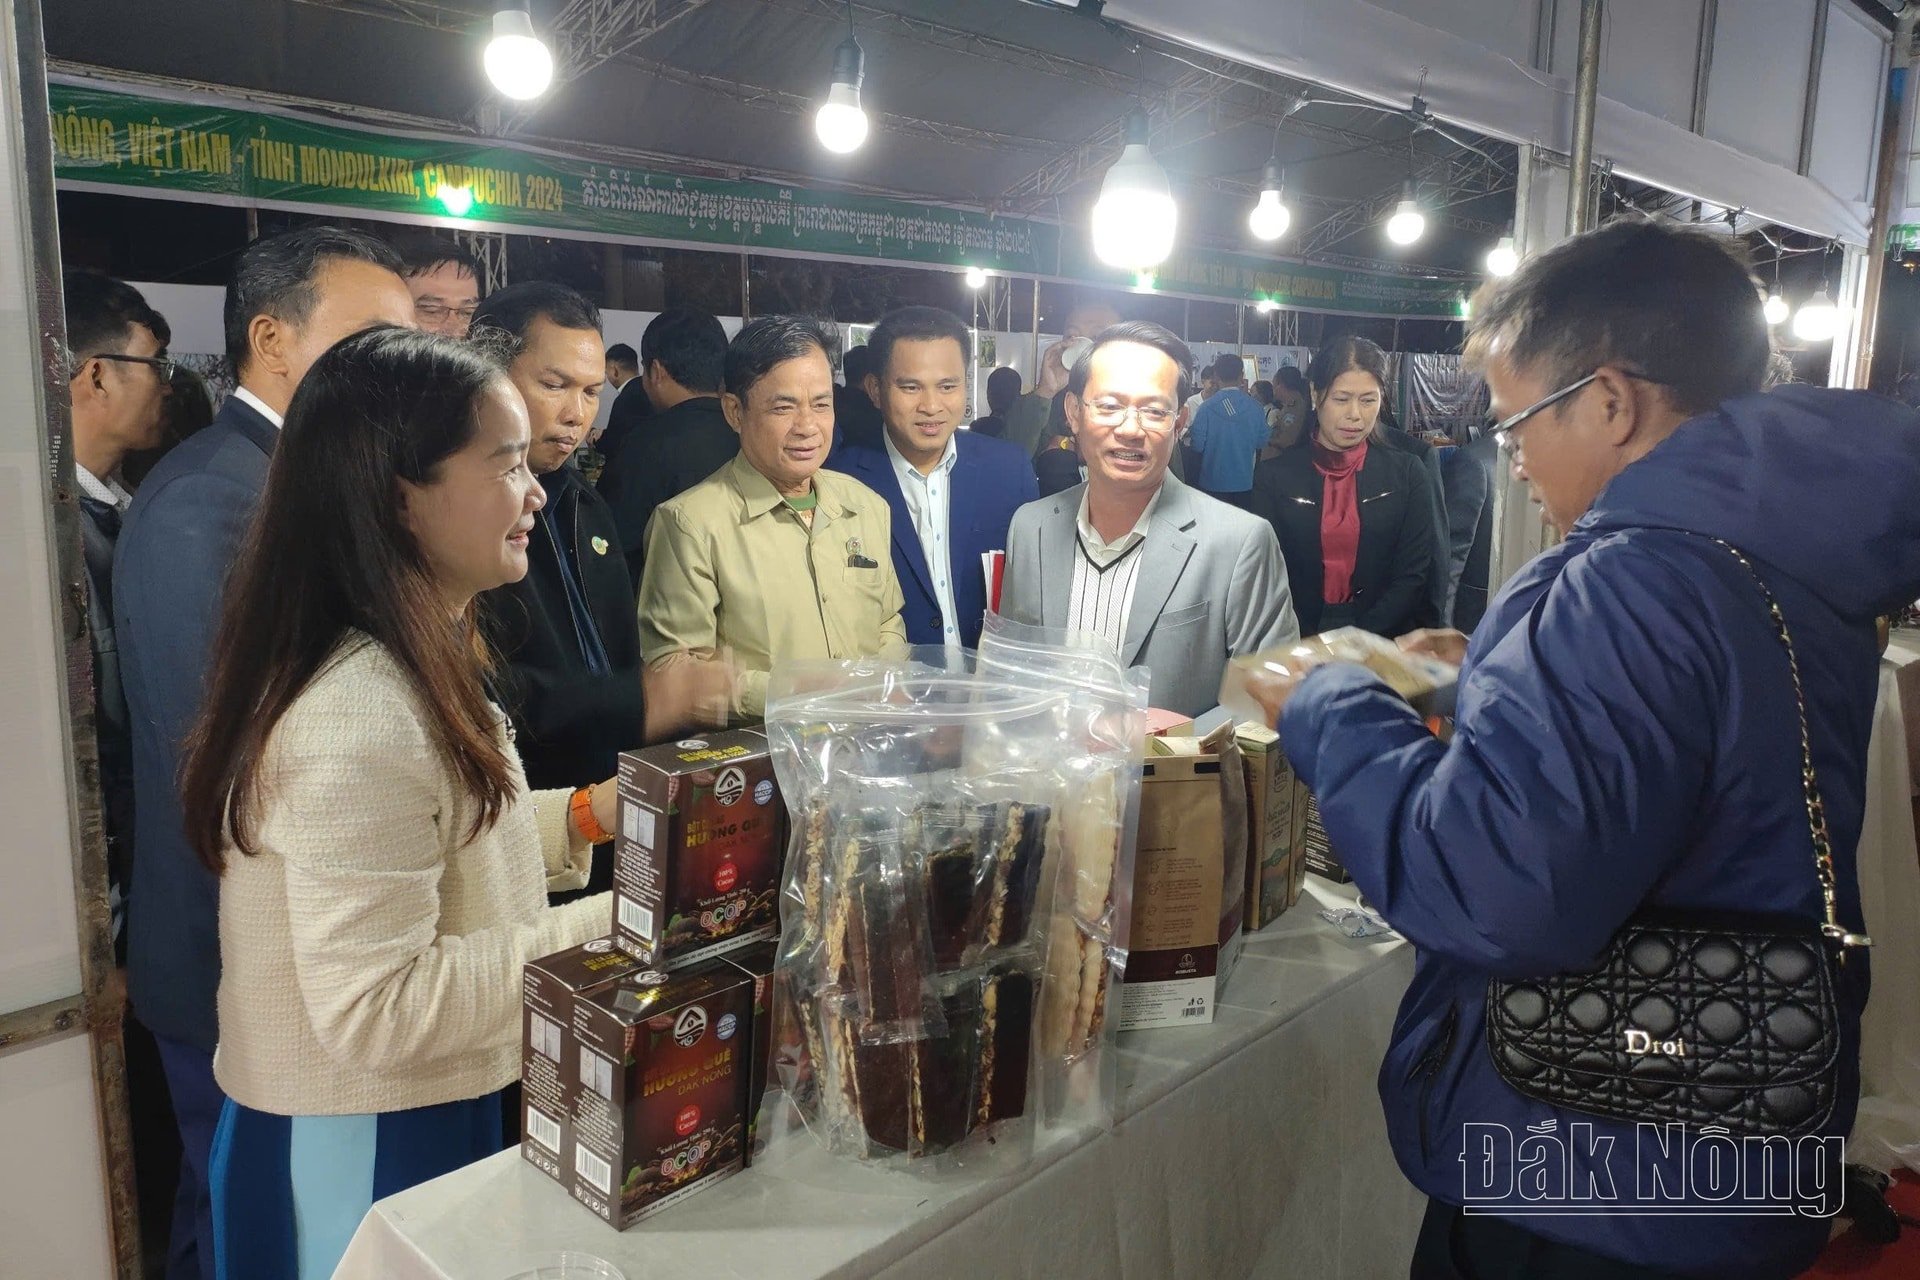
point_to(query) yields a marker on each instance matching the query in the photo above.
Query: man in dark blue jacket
(1626, 740)
(952, 493)
(291, 298)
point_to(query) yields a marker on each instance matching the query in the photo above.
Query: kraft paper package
(960, 859)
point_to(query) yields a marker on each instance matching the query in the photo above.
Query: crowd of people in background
(378, 570)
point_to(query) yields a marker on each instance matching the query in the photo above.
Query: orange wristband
(581, 806)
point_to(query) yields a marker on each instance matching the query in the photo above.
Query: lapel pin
(599, 546)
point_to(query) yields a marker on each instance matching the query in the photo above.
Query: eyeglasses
(1111, 414)
(1502, 431)
(163, 364)
(436, 312)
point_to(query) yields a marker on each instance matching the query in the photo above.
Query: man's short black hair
(856, 364)
(1292, 379)
(274, 276)
(1229, 370)
(1003, 388)
(690, 345)
(422, 254)
(622, 354)
(1143, 332)
(101, 314)
(916, 324)
(512, 311)
(774, 340)
(1677, 306)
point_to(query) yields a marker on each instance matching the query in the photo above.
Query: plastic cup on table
(572, 1265)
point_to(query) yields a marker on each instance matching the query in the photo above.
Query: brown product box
(660, 1110)
(549, 1061)
(697, 857)
(757, 962)
(1276, 866)
(1173, 951)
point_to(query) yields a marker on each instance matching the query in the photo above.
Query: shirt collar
(760, 497)
(107, 491)
(905, 469)
(259, 406)
(1090, 536)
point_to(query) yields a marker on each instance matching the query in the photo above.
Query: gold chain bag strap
(1694, 1017)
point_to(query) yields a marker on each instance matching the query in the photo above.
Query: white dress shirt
(107, 491)
(259, 406)
(1105, 576)
(930, 503)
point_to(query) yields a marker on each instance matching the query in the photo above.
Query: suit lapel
(1059, 552)
(877, 474)
(1169, 546)
(248, 422)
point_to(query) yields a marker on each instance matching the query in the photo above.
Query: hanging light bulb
(1503, 259)
(1818, 320)
(517, 61)
(1776, 309)
(1266, 306)
(1407, 224)
(976, 278)
(1270, 217)
(457, 201)
(1135, 218)
(841, 124)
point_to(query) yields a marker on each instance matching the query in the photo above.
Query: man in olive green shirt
(771, 557)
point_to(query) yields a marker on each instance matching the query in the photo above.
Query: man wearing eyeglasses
(119, 382)
(1666, 716)
(1163, 574)
(444, 280)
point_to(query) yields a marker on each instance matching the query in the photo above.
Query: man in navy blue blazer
(952, 492)
(291, 297)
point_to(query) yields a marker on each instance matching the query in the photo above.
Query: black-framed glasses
(165, 365)
(437, 312)
(1502, 431)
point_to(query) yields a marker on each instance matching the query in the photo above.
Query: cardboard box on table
(1189, 881)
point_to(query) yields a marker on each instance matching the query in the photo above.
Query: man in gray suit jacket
(1157, 571)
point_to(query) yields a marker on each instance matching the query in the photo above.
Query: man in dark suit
(630, 405)
(856, 419)
(291, 297)
(119, 382)
(567, 632)
(682, 354)
(952, 493)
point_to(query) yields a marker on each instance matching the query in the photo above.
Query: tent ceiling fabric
(968, 97)
(1480, 74)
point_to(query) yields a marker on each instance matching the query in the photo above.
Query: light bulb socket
(1139, 128)
(849, 63)
(513, 21)
(1272, 178)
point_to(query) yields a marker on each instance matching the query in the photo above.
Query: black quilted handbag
(1693, 1018)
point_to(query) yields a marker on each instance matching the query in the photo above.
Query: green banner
(122, 139)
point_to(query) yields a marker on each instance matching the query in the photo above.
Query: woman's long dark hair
(328, 552)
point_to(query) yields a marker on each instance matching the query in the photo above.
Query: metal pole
(1240, 330)
(1703, 63)
(1815, 57)
(746, 289)
(1898, 110)
(253, 223)
(1036, 329)
(1586, 92)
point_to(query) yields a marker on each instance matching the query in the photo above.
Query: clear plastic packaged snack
(958, 865)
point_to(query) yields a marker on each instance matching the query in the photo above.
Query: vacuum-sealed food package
(958, 841)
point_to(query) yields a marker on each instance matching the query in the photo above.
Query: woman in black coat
(1355, 518)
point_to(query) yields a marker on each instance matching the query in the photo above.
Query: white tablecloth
(1888, 1130)
(1252, 1147)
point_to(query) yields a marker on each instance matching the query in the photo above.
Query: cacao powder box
(700, 845)
(661, 1109)
(550, 1055)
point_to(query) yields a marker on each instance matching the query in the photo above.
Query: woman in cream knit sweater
(384, 869)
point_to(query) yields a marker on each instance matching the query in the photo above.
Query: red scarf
(1339, 518)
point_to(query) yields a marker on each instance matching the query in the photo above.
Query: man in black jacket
(567, 633)
(682, 354)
